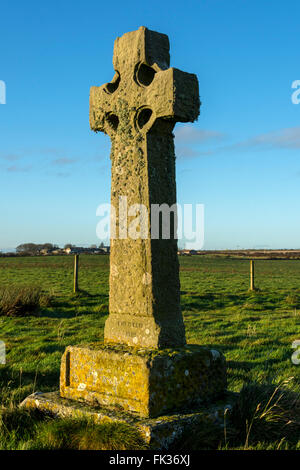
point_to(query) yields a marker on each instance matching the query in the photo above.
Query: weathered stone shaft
(144, 300)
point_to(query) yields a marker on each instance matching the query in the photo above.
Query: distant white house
(187, 252)
(91, 250)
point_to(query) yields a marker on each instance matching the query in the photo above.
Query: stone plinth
(146, 382)
(159, 433)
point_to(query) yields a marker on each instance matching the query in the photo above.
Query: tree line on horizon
(36, 248)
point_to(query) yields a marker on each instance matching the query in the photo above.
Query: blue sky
(240, 159)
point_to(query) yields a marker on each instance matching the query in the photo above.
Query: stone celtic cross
(138, 110)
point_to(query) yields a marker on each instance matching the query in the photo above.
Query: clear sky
(240, 159)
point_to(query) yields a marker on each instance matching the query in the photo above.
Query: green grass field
(254, 331)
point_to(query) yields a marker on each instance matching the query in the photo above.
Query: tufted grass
(254, 330)
(24, 300)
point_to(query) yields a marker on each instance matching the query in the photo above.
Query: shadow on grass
(245, 371)
(210, 301)
(14, 379)
(52, 348)
(247, 300)
(77, 305)
(15, 385)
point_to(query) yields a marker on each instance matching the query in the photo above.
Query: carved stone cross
(138, 110)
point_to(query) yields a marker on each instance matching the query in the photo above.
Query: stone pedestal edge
(158, 434)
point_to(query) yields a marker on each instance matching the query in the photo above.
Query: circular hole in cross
(113, 85)
(145, 75)
(113, 121)
(143, 117)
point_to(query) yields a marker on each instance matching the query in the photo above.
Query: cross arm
(175, 95)
(98, 107)
(101, 104)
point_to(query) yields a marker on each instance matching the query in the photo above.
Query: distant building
(91, 250)
(59, 251)
(45, 252)
(188, 252)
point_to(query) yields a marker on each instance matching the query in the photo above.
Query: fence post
(252, 286)
(76, 266)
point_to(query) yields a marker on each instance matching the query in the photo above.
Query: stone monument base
(142, 381)
(158, 433)
(161, 392)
